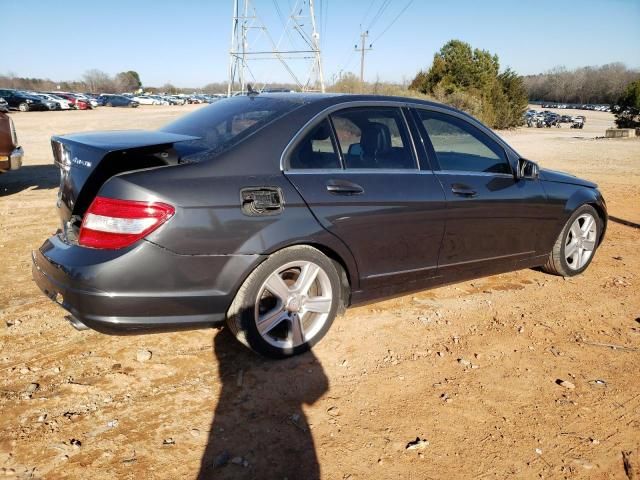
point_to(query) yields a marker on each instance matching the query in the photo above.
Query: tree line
(465, 78)
(93, 81)
(596, 85)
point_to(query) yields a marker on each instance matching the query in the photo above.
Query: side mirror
(528, 169)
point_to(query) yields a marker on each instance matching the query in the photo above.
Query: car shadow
(622, 221)
(259, 429)
(29, 177)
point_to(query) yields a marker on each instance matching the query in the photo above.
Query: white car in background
(63, 102)
(160, 100)
(51, 104)
(146, 100)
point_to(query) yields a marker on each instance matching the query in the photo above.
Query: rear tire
(577, 243)
(287, 304)
(23, 107)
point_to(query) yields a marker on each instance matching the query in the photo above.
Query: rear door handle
(463, 190)
(344, 187)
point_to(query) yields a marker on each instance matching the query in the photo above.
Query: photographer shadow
(259, 430)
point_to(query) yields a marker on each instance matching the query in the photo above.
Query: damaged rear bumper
(141, 289)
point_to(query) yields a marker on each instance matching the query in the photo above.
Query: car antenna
(251, 92)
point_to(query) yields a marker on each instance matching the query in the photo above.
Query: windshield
(227, 122)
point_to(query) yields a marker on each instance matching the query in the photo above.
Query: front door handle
(463, 190)
(344, 187)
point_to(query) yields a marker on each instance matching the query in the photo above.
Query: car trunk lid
(88, 160)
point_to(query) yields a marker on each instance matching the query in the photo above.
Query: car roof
(338, 98)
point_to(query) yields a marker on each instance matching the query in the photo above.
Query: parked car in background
(146, 100)
(18, 100)
(51, 104)
(11, 153)
(160, 99)
(117, 101)
(87, 99)
(177, 100)
(4, 106)
(76, 102)
(63, 104)
(275, 212)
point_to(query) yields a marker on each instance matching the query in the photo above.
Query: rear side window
(316, 150)
(229, 121)
(459, 146)
(373, 138)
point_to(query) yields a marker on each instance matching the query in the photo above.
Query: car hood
(562, 177)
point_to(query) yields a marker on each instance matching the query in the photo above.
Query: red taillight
(111, 223)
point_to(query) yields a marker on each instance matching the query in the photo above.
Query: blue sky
(187, 42)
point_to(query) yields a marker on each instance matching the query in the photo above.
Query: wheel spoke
(276, 286)
(589, 245)
(308, 274)
(297, 331)
(586, 226)
(571, 248)
(575, 230)
(318, 304)
(579, 258)
(271, 320)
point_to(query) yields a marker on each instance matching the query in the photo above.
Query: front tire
(287, 304)
(577, 243)
(23, 107)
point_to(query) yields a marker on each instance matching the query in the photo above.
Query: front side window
(316, 150)
(373, 138)
(459, 146)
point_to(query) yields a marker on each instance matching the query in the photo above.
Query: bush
(628, 108)
(470, 79)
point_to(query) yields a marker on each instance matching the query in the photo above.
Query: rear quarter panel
(209, 219)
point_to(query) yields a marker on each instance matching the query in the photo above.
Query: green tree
(128, 81)
(628, 107)
(470, 79)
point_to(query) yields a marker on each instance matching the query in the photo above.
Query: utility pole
(363, 49)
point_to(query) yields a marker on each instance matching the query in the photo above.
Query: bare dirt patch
(524, 374)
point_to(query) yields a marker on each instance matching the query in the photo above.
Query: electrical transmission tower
(251, 41)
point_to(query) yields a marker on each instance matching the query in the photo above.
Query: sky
(187, 43)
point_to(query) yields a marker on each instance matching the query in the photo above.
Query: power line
(377, 16)
(366, 14)
(394, 20)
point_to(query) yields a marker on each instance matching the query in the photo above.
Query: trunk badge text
(81, 163)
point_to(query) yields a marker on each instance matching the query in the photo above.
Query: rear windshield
(226, 122)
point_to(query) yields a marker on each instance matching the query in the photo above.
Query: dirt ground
(470, 371)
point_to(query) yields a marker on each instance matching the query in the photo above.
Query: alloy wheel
(581, 241)
(293, 304)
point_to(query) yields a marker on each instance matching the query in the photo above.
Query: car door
(492, 216)
(358, 172)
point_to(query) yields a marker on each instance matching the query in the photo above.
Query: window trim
(434, 156)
